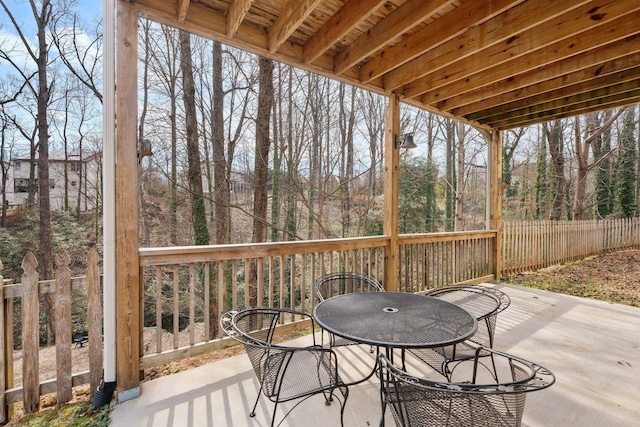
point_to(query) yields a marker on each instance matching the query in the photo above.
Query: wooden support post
(127, 265)
(494, 205)
(391, 162)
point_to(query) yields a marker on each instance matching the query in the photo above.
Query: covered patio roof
(495, 64)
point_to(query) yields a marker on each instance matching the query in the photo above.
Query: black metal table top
(395, 319)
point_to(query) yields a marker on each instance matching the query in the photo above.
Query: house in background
(74, 181)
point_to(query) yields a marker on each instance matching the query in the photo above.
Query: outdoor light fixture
(144, 149)
(406, 141)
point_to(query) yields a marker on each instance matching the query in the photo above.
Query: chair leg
(345, 395)
(255, 405)
(273, 417)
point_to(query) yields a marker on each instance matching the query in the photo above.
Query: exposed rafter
(352, 13)
(526, 50)
(487, 101)
(407, 16)
(440, 31)
(293, 15)
(502, 30)
(236, 13)
(183, 6)
(567, 53)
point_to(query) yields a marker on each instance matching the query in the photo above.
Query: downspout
(103, 394)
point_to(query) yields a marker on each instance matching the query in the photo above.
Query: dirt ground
(613, 277)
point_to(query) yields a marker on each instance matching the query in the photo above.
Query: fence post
(63, 326)
(30, 341)
(94, 320)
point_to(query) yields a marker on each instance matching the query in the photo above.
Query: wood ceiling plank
(494, 31)
(393, 26)
(348, 17)
(544, 37)
(292, 16)
(440, 31)
(567, 52)
(553, 87)
(563, 111)
(235, 15)
(624, 81)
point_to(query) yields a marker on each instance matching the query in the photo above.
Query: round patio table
(395, 320)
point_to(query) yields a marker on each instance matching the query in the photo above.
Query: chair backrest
(276, 366)
(482, 302)
(345, 283)
(475, 400)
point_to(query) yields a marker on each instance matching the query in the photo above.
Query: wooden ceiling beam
(546, 37)
(347, 18)
(183, 6)
(607, 103)
(496, 30)
(235, 15)
(291, 18)
(572, 95)
(592, 78)
(407, 16)
(471, 13)
(567, 52)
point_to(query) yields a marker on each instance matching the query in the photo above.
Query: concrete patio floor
(592, 347)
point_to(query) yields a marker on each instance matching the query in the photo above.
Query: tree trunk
(261, 168)
(459, 223)
(556, 149)
(46, 243)
(198, 215)
(277, 160)
(450, 170)
(222, 190)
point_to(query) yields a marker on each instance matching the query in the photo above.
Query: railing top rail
(187, 254)
(44, 287)
(445, 236)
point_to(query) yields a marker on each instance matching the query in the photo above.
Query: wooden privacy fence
(30, 292)
(530, 245)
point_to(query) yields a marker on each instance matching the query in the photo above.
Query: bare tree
(165, 67)
(82, 60)
(41, 91)
(555, 140)
(198, 215)
(261, 170)
(593, 130)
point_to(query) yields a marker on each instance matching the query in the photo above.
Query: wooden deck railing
(185, 289)
(206, 281)
(432, 260)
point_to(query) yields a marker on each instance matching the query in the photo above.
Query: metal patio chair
(284, 373)
(340, 283)
(482, 302)
(474, 399)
